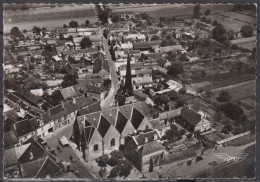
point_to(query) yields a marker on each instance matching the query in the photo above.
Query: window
(146, 127)
(113, 142)
(96, 147)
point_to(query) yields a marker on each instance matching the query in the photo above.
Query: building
(102, 132)
(141, 147)
(194, 121)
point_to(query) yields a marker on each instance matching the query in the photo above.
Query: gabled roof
(137, 118)
(121, 121)
(57, 112)
(99, 64)
(150, 148)
(26, 126)
(69, 92)
(146, 45)
(90, 109)
(93, 119)
(32, 153)
(103, 126)
(49, 168)
(110, 115)
(10, 158)
(30, 169)
(10, 138)
(192, 117)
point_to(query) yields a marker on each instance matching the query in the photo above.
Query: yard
(242, 140)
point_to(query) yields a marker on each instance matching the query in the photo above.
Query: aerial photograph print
(129, 91)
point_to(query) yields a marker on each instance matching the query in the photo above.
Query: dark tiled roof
(103, 126)
(30, 169)
(137, 118)
(98, 55)
(57, 112)
(10, 138)
(26, 126)
(70, 70)
(35, 149)
(93, 119)
(146, 45)
(192, 117)
(49, 168)
(90, 109)
(46, 117)
(120, 122)
(161, 61)
(154, 55)
(94, 89)
(100, 64)
(88, 133)
(150, 148)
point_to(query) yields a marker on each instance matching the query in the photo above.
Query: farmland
(49, 17)
(169, 10)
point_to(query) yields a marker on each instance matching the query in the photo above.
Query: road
(109, 100)
(66, 152)
(196, 169)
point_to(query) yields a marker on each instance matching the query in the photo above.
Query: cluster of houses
(136, 129)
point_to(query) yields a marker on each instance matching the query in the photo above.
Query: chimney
(62, 104)
(155, 137)
(31, 155)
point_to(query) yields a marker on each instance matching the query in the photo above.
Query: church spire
(128, 89)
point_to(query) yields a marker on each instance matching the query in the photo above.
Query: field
(49, 17)
(242, 140)
(232, 20)
(169, 10)
(239, 93)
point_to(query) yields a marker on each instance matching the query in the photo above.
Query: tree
(173, 95)
(36, 30)
(116, 156)
(102, 172)
(175, 69)
(196, 11)
(69, 80)
(247, 31)
(65, 26)
(173, 134)
(125, 168)
(87, 22)
(215, 23)
(207, 12)
(114, 172)
(184, 58)
(224, 96)
(73, 24)
(116, 18)
(155, 37)
(219, 33)
(102, 161)
(232, 111)
(15, 31)
(226, 129)
(85, 42)
(103, 15)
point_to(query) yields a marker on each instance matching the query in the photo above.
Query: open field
(49, 17)
(169, 10)
(234, 21)
(239, 93)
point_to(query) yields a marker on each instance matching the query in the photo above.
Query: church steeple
(128, 89)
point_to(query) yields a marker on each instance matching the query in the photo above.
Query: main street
(110, 99)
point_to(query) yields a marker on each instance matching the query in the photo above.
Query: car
(63, 141)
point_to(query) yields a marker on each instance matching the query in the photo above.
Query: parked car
(63, 141)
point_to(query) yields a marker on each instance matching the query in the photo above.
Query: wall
(95, 139)
(111, 133)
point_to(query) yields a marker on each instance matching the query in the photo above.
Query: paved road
(66, 152)
(109, 100)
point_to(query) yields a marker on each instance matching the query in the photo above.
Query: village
(132, 96)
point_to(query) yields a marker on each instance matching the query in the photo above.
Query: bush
(224, 96)
(232, 111)
(116, 156)
(85, 42)
(102, 161)
(247, 31)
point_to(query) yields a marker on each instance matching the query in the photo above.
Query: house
(174, 48)
(163, 62)
(194, 121)
(142, 46)
(95, 92)
(101, 67)
(102, 132)
(141, 82)
(141, 147)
